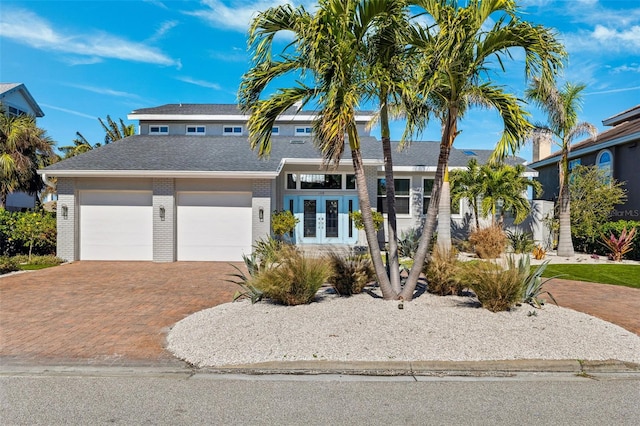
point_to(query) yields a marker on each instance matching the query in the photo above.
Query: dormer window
(196, 130)
(275, 130)
(303, 131)
(232, 130)
(158, 130)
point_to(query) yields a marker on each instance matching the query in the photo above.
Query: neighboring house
(188, 187)
(615, 151)
(16, 100)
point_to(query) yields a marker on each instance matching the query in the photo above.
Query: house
(16, 100)
(188, 187)
(615, 151)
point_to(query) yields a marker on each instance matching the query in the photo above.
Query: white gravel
(363, 328)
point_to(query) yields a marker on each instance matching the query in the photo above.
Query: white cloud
(238, 14)
(164, 28)
(70, 111)
(104, 91)
(24, 26)
(626, 68)
(605, 92)
(201, 83)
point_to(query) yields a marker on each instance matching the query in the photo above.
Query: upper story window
(402, 187)
(604, 162)
(574, 163)
(158, 130)
(232, 130)
(275, 130)
(427, 186)
(196, 130)
(320, 181)
(303, 130)
(16, 111)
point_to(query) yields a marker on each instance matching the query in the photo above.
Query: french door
(323, 219)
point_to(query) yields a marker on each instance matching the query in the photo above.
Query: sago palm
(456, 55)
(562, 107)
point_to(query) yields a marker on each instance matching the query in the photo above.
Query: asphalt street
(183, 398)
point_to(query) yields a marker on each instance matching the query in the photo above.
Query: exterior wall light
(65, 211)
(261, 214)
(162, 212)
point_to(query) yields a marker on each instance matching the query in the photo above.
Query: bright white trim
(159, 132)
(196, 133)
(233, 128)
(304, 131)
(160, 174)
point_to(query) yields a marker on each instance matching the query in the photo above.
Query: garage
(213, 225)
(116, 225)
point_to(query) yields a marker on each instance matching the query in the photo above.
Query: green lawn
(32, 267)
(625, 275)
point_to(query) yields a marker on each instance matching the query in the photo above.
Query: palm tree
(328, 57)
(562, 107)
(501, 184)
(80, 146)
(466, 184)
(23, 148)
(113, 132)
(456, 56)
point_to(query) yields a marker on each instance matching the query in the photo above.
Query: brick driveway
(107, 313)
(118, 313)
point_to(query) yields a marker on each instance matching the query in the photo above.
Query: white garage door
(116, 225)
(214, 225)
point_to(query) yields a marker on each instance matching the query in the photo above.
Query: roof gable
(8, 90)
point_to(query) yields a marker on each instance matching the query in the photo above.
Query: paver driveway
(107, 313)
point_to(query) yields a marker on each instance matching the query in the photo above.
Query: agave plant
(247, 290)
(621, 245)
(531, 281)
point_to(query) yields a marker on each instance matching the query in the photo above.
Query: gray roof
(231, 154)
(210, 109)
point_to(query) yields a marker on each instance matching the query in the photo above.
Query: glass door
(323, 219)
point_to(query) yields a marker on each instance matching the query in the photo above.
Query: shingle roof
(8, 88)
(209, 109)
(230, 154)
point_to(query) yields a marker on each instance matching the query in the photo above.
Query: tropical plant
(489, 242)
(466, 184)
(327, 55)
(267, 250)
(283, 222)
(455, 57)
(295, 279)
(593, 199)
(113, 132)
(539, 252)
(247, 289)
(496, 288)
(531, 281)
(378, 219)
(562, 107)
(350, 273)
(8, 264)
(24, 147)
(619, 246)
(443, 272)
(408, 242)
(34, 228)
(521, 242)
(80, 146)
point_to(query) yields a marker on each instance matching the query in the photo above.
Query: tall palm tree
(23, 148)
(562, 107)
(466, 184)
(456, 55)
(80, 146)
(328, 58)
(501, 184)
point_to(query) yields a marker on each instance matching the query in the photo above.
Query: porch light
(65, 211)
(162, 212)
(261, 214)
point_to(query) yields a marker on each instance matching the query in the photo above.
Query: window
(275, 130)
(13, 111)
(604, 162)
(232, 130)
(195, 130)
(574, 163)
(351, 181)
(291, 181)
(158, 130)
(320, 181)
(303, 131)
(402, 195)
(427, 186)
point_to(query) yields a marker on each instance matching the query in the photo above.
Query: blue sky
(86, 59)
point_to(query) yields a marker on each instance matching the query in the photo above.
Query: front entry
(323, 219)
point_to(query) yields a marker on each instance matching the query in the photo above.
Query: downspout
(47, 182)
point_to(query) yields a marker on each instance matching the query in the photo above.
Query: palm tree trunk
(370, 232)
(448, 136)
(444, 216)
(3, 199)
(392, 256)
(565, 244)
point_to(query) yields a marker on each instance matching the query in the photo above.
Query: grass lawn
(625, 275)
(31, 267)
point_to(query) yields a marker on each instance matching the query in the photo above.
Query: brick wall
(261, 199)
(164, 235)
(67, 227)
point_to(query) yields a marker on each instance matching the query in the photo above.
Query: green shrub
(283, 222)
(8, 245)
(27, 232)
(488, 243)
(8, 264)
(496, 288)
(350, 274)
(294, 279)
(593, 245)
(267, 250)
(443, 272)
(531, 281)
(38, 259)
(521, 242)
(247, 289)
(378, 219)
(619, 246)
